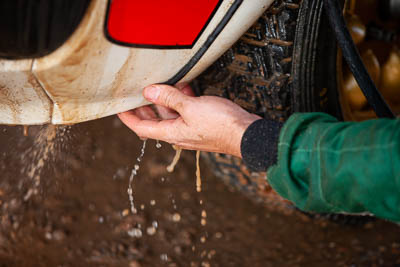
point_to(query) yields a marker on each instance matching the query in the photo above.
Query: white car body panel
(22, 99)
(89, 77)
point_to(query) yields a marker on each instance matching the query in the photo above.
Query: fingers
(129, 118)
(166, 113)
(145, 122)
(145, 113)
(166, 96)
(160, 130)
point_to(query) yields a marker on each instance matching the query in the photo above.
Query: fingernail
(152, 92)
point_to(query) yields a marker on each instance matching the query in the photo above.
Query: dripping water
(134, 172)
(158, 144)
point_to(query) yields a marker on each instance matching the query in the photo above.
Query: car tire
(285, 63)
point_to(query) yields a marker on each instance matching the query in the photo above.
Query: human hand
(206, 123)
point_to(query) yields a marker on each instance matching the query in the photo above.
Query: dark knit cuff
(259, 146)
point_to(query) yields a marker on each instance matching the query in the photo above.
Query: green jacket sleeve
(330, 166)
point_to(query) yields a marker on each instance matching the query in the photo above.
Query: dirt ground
(78, 214)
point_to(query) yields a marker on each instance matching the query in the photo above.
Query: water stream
(134, 172)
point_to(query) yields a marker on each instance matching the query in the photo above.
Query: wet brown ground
(78, 218)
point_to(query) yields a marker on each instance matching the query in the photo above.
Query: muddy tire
(285, 63)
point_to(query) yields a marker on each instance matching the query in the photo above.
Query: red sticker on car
(158, 23)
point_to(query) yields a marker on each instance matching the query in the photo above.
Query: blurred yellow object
(353, 92)
(357, 28)
(390, 82)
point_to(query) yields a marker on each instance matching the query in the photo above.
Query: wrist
(238, 134)
(259, 144)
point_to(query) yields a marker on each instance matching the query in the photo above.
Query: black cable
(353, 59)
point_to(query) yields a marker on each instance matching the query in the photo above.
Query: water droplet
(164, 257)
(203, 254)
(135, 232)
(176, 217)
(158, 144)
(48, 235)
(211, 254)
(151, 230)
(218, 235)
(133, 174)
(174, 203)
(125, 212)
(203, 220)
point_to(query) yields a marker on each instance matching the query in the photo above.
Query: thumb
(166, 96)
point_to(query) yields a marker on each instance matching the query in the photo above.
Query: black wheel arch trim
(207, 44)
